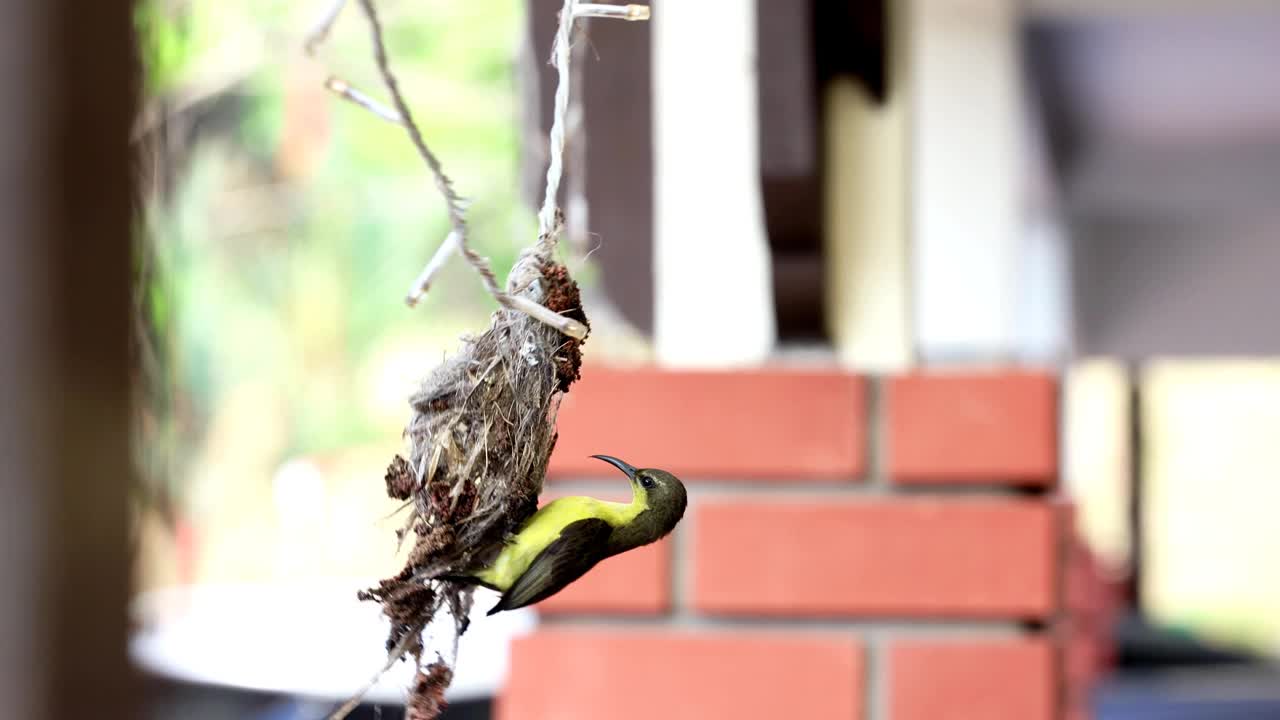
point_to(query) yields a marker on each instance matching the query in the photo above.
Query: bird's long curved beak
(624, 467)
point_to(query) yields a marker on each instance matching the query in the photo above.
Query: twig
(393, 657)
(342, 89)
(320, 31)
(423, 282)
(453, 204)
(619, 12)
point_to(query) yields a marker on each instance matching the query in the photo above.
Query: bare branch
(453, 203)
(342, 89)
(320, 31)
(541, 313)
(618, 12)
(393, 657)
(423, 282)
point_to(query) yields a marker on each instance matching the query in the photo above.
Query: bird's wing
(579, 547)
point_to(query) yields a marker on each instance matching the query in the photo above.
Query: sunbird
(567, 537)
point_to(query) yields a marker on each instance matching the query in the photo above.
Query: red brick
(588, 675)
(1086, 624)
(999, 427)
(769, 424)
(885, 557)
(1084, 591)
(633, 583)
(971, 680)
(1083, 659)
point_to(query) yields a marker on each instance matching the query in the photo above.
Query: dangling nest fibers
(482, 430)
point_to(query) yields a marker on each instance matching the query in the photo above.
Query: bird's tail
(502, 605)
(463, 579)
(471, 580)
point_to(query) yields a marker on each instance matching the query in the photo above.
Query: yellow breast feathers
(544, 527)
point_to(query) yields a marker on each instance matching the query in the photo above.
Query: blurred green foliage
(288, 275)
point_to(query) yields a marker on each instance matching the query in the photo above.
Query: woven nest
(482, 430)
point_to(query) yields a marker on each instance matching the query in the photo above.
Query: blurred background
(957, 316)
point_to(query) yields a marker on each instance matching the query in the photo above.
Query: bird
(567, 537)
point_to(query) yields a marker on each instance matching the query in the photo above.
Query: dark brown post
(70, 79)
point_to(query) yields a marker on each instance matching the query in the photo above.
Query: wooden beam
(617, 177)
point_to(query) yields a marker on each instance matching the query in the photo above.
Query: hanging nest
(482, 430)
(483, 424)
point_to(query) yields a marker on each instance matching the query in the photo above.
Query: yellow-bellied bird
(568, 536)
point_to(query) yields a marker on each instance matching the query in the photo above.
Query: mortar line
(802, 489)
(862, 627)
(681, 570)
(875, 678)
(877, 432)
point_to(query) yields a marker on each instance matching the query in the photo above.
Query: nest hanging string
(483, 422)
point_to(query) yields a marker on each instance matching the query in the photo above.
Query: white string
(560, 60)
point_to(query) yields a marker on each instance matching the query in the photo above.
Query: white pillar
(965, 173)
(713, 292)
(867, 234)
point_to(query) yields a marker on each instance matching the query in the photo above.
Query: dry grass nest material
(482, 430)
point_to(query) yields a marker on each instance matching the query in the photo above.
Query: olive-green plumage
(567, 537)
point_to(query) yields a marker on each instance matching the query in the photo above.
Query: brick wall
(855, 548)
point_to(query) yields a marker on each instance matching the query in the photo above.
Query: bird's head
(663, 492)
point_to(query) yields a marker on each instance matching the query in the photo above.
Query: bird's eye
(646, 481)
